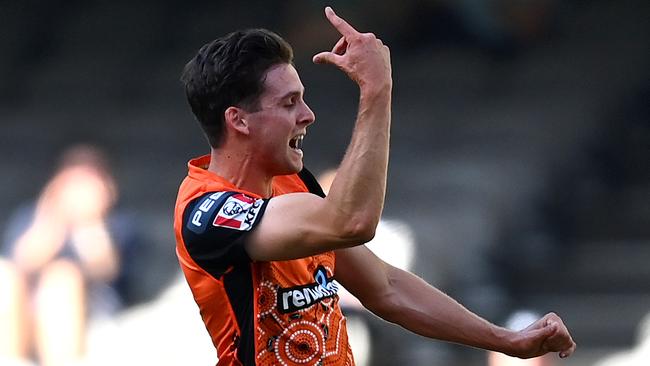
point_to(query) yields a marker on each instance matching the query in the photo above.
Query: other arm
(405, 299)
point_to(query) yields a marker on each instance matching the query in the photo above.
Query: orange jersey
(257, 313)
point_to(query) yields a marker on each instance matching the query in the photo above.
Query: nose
(307, 116)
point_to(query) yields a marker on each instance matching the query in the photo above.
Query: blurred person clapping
(70, 218)
(61, 262)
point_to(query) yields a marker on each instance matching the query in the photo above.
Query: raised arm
(405, 299)
(298, 225)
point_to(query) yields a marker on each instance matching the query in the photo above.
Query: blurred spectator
(520, 320)
(62, 262)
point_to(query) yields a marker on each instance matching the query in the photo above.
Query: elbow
(360, 231)
(365, 232)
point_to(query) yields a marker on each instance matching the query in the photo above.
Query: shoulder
(225, 209)
(216, 226)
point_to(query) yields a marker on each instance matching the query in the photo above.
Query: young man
(261, 245)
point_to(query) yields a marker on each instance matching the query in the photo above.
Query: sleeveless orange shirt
(257, 313)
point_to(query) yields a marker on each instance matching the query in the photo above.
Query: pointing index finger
(339, 23)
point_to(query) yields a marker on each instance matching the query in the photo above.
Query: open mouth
(296, 142)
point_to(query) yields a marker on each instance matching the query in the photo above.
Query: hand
(548, 334)
(362, 56)
(96, 250)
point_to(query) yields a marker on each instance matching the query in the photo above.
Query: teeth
(296, 142)
(299, 142)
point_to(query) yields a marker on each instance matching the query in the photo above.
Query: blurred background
(519, 177)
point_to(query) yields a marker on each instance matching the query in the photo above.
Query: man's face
(277, 127)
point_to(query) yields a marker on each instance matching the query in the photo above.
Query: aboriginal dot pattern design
(312, 336)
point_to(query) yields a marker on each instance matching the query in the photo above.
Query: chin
(295, 168)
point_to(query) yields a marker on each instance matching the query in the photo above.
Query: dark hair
(230, 71)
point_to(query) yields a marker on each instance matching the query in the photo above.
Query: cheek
(269, 144)
(272, 131)
(275, 134)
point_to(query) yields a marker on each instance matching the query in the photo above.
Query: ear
(234, 119)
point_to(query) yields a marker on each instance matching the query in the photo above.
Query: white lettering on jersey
(204, 207)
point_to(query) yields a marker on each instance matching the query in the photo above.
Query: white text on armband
(202, 211)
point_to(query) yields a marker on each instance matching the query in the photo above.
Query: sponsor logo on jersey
(238, 212)
(301, 297)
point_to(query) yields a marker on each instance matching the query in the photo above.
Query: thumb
(326, 58)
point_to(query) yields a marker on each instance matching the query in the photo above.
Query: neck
(239, 168)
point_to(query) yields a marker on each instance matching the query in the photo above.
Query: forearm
(405, 299)
(425, 310)
(360, 185)
(38, 245)
(357, 192)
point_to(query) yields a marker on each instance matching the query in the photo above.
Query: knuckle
(354, 37)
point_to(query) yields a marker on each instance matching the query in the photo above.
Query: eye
(290, 102)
